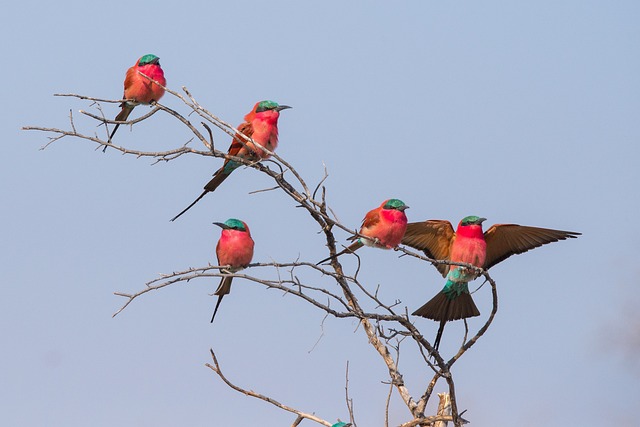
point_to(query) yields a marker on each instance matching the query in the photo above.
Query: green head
(395, 204)
(269, 105)
(232, 224)
(148, 59)
(472, 220)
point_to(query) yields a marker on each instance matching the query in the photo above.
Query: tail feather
(215, 310)
(442, 308)
(223, 289)
(225, 285)
(190, 206)
(436, 343)
(349, 249)
(218, 178)
(122, 116)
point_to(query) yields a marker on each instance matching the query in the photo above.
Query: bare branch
(216, 368)
(73, 95)
(210, 146)
(444, 408)
(381, 325)
(125, 122)
(348, 400)
(321, 333)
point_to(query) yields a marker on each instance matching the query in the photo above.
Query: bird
(384, 225)
(234, 249)
(468, 244)
(341, 424)
(139, 89)
(261, 125)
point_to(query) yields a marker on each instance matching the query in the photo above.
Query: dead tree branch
(216, 368)
(298, 278)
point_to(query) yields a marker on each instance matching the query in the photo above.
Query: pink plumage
(234, 251)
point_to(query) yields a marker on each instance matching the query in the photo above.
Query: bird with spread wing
(468, 244)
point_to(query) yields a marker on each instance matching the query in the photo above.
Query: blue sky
(522, 113)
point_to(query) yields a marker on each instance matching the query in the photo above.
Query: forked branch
(293, 278)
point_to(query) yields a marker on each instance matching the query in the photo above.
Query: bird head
(263, 106)
(232, 224)
(395, 204)
(148, 59)
(472, 220)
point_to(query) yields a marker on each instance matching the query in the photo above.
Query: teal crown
(266, 105)
(270, 105)
(395, 204)
(148, 59)
(235, 224)
(472, 220)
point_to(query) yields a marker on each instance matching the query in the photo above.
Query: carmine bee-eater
(139, 89)
(385, 225)
(468, 244)
(261, 125)
(234, 249)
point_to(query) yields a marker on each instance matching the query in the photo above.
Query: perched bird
(261, 125)
(385, 225)
(235, 249)
(139, 89)
(468, 244)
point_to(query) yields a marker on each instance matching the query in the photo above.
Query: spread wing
(504, 240)
(433, 237)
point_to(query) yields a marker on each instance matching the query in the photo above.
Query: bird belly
(459, 274)
(372, 244)
(264, 135)
(239, 257)
(143, 90)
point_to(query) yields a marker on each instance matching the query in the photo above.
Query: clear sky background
(525, 113)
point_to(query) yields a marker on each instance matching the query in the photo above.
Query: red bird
(235, 249)
(385, 225)
(261, 125)
(139, 89)
(469, 245)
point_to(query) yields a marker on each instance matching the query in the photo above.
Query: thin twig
(216, 368)
(343, 304)
(349, 400)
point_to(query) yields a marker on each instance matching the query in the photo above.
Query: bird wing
(129, 79)
(433, 237)
(371, 219)
(237, 145)
(504, 240)
(235, 149)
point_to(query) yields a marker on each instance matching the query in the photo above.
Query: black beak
(222, 225)
(281, 107)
